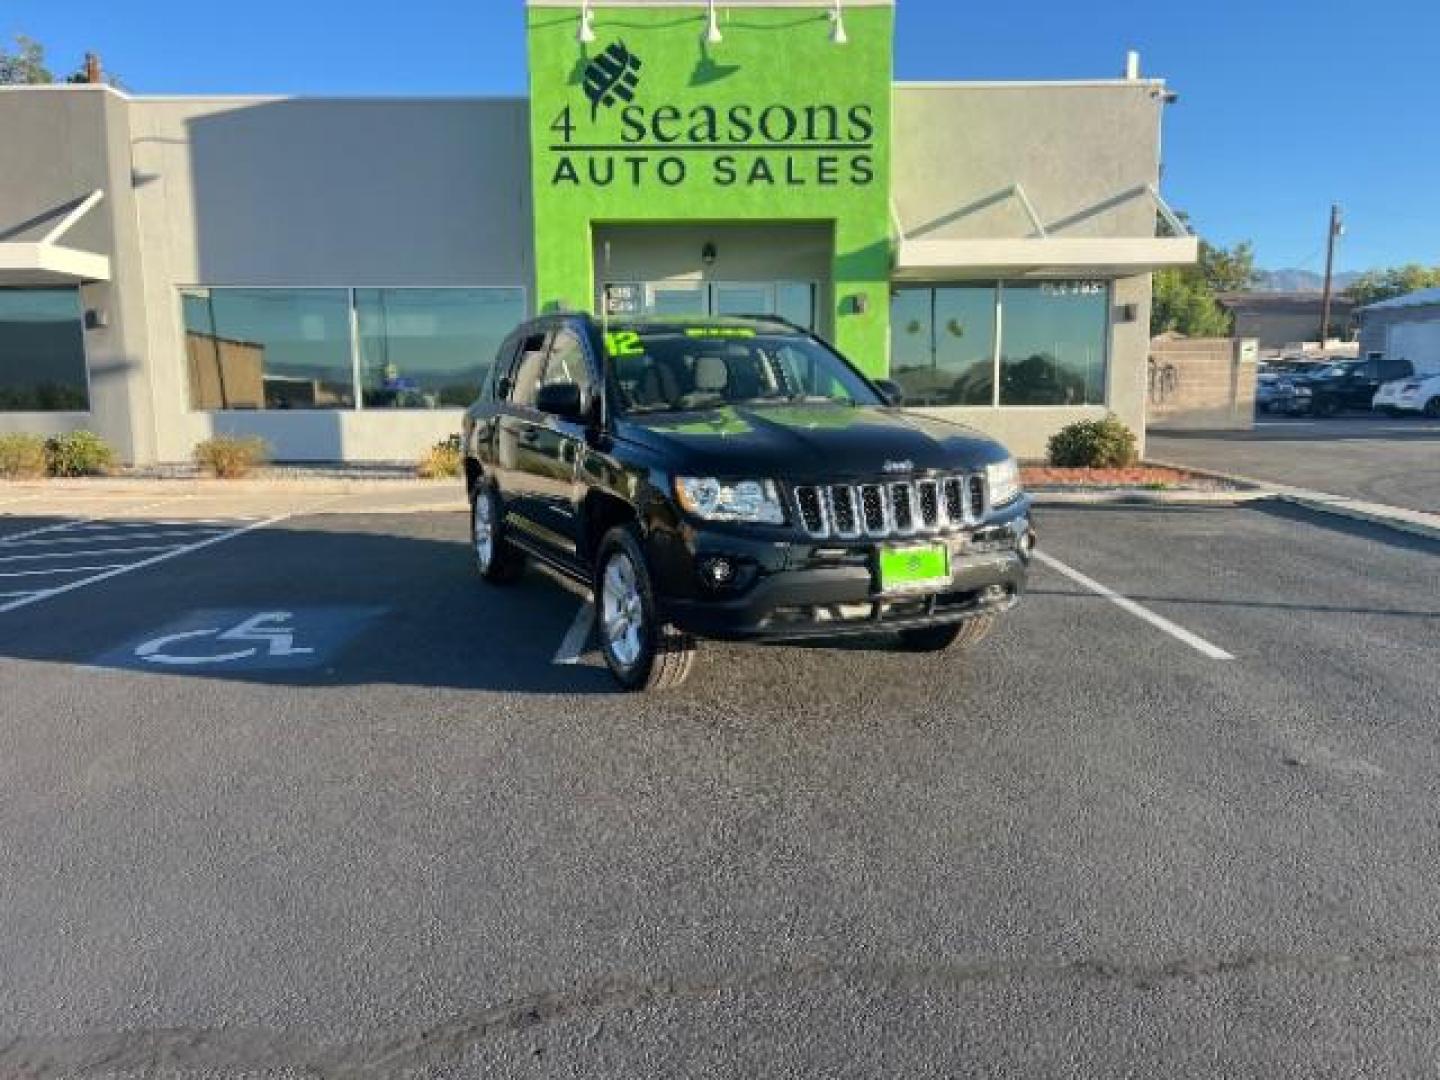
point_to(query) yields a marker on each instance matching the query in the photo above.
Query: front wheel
(1432, 408)
(642, 654)
(961, 635)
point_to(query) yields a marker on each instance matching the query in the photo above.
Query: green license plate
(917, 567)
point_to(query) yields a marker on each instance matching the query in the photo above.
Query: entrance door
(793, 300)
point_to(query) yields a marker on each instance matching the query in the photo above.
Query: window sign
(627, 298)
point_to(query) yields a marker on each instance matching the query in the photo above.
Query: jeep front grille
(890, 508)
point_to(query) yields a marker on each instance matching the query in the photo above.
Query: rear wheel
(641, 653)
(962, 635)
(496, 560)
(1432, 408)
(1325, 406)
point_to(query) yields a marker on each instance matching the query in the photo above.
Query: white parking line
(58, 570)
(86, 553)
(170, 535)
(174, 553)
(62, 525)
(1199, 644)
(572, 647)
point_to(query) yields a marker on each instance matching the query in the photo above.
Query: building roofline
(601, 4)
(420, 99)
(264, 98)
(1024, 84)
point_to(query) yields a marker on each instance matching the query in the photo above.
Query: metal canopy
(1042, 254)
(1042, 257)
(48, 262)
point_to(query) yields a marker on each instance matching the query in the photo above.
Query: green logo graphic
(612, 75)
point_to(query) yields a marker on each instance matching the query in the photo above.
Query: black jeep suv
(735, 478)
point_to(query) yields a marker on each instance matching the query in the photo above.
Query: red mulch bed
(1036, 476)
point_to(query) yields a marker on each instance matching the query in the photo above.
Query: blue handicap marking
(237, 639)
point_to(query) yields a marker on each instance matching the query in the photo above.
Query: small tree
(25, 64)
(1375, 285)
(1185, 297)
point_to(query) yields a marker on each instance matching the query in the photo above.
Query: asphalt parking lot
(309, 801)
(1374, 458)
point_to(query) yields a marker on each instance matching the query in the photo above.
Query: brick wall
(1200, 384)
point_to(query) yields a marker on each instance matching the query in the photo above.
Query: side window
(566, 362)
(529, 363)
(497, 384)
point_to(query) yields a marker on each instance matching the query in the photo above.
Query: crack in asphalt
(252, 1049)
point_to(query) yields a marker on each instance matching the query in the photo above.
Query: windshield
(692, 368)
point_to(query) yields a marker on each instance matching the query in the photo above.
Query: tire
(1432, 408)
(497, 562)
(641, 653)
(962, 635)
(1325, 407)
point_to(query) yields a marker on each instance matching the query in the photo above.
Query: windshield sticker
(719, 332)
(624, 343)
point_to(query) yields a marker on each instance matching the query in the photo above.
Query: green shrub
(22, 457)
(442, 461)
(230, 457)
(79, 453)
(1093, 444)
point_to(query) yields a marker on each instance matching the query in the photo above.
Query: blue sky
(1285, 105)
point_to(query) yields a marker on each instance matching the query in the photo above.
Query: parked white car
(1417, 394)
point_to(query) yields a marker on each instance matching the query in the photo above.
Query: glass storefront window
(965, 344)
(912, 341)
(1053, 342)
(42, 351)
(268, 348)
(431, 348)
(1053, 346)
(795, 300)
(943, 344)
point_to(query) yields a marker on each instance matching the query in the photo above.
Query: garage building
(335, 274)
(1403, 331)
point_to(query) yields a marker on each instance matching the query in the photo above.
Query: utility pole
(1337, 228)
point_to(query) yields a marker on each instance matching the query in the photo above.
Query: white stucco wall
(323, 193)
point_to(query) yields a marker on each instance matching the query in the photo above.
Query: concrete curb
(252, 486)
(1414, 522)
(1142, 497)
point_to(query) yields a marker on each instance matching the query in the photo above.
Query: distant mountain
(1295, 280)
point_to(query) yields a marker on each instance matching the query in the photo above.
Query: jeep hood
(807, 441)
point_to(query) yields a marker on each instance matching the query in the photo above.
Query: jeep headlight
(1003, 479)
(730, 500)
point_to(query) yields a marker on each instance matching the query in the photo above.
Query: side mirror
(891, 391)
(562, 399)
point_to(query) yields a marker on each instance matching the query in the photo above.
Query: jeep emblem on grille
(898, 466)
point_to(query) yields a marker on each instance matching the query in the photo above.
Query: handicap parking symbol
(267, 628)
(237, 640)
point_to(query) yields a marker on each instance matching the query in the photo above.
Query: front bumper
(794, 589)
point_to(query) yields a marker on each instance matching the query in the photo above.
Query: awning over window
(48, 262)
(930, 260)
(921, 255)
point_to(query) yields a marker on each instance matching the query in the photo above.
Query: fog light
(718, 572)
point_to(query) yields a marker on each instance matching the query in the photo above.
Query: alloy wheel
(622, 610)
